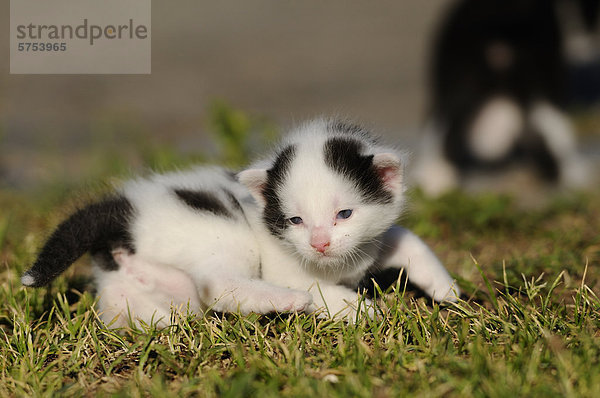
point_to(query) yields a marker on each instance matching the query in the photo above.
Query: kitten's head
(328, 191)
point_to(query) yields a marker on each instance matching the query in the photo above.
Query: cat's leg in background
(432, 171)
(558, 133)
(402, 249)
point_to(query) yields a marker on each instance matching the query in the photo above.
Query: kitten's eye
(296, 220)
(343, 214)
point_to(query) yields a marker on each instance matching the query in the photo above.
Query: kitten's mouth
(326, 255)
(326, 258)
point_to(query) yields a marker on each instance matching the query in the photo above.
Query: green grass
(529, 324)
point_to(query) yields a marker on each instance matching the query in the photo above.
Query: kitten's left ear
(254, 180)
(389, 169)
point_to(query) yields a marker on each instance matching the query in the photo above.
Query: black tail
(96, 229)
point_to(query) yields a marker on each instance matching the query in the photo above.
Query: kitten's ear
(389, 169)
(254, 180)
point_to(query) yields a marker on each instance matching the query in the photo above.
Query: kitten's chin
(328, 261)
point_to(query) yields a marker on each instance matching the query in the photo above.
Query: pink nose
(320, 246)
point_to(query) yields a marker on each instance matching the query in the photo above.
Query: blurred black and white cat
(499, 89)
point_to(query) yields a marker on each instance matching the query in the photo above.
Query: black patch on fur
(233, 200)
(590, 11)
(352, 129)
(106, 260)
(343, 156)
(97, 228)
(273, 215)
(235, 203)
(203, 201)
(231, 175)
(385, 279)
(339, 126)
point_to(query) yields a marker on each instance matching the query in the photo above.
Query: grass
(529, 324)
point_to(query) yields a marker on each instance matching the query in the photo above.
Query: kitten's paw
(445, 291)
(295, 301)
(365, 307)
(349, 311)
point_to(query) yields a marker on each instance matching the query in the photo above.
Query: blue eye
(343, 214)
(296, 220)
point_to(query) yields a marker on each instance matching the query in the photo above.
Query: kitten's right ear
(255, 180)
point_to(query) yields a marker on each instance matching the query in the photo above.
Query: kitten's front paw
(293, 301)
(355, 311)
(348, 311)
(446, 290)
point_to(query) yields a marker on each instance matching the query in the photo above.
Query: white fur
(496, 129)
(143, 290)
(191, 257)
(581, 47)
(559, 135)
(27, 280)
(432, 171)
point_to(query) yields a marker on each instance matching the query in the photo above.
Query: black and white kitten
(295, 232)
(499, 89)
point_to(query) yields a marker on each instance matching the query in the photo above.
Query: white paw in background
(576, 173)
(435, 175)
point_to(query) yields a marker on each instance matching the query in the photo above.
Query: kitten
(327, 203)
(499, 90)
(295, 232)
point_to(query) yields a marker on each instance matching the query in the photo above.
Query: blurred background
(277, 62)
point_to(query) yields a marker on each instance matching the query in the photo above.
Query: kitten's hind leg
(141, 290)
(403, 249)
